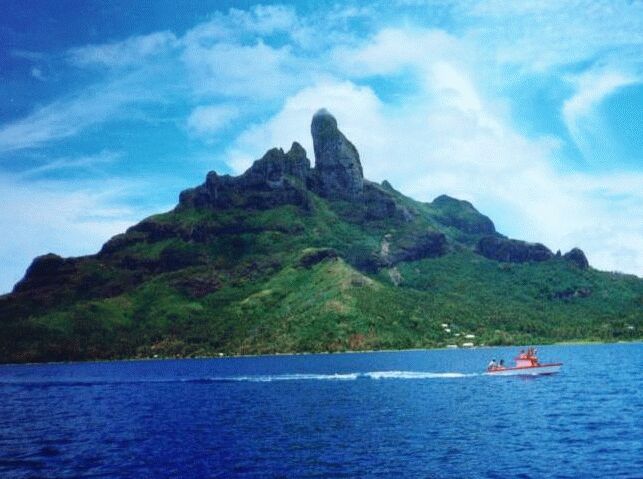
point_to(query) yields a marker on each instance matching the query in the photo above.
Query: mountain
(289, 258)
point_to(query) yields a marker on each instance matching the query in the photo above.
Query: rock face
(413, 247)
(313, 256)
(571, 293)
(277, 178)
(338, 171)
(462, 215)
(380, 204)
(45, 270)
(275, 165)
(512, 251)
(577, 257)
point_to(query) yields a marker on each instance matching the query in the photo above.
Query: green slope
(269, 286)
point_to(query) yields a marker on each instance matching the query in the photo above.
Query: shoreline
(310, 353)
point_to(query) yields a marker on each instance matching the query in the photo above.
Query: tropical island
(290, 258)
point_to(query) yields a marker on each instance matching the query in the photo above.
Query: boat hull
(527, 371)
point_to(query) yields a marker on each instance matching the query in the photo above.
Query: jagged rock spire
(338, 170)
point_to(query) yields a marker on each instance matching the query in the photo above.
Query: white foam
(292, 377)
(348, 376)
(413, 375)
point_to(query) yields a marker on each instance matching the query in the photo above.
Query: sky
(533, 111)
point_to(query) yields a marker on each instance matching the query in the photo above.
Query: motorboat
(527, 364)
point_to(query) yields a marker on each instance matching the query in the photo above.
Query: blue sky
(531, 110)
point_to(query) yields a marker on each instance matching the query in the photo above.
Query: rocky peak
(338, 171)
(297, 164)
(298, 153)
(577, 257)
(276, 178)
(386, 185)
(275, 164)
(44, 271)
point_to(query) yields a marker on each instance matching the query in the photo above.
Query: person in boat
(501, 364)
(530, 355)
(534, 357)
(492, 365)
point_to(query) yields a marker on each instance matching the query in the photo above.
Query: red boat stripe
(526, 367)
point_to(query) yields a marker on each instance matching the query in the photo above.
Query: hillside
(289, 258)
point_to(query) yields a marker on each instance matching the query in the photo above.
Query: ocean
(429, 414)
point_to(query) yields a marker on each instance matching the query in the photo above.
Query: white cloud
(249, 71)
(162, 65)
(65, 218)
(127, 52)
(37, 74)
(28, 55)
(67, 117)
(236, 24)
(540, 36)
(226, 56)
(611, 228)
(57, 120)
(206, 120)
(356, 106)
(85, 162)
(393, 49)
(592, 89)
(579, 110)
(265, 19)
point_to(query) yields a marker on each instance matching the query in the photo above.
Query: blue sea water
(407, 414)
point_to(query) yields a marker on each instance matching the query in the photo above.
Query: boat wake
(264, 378)
(415, 375)
(377, 375)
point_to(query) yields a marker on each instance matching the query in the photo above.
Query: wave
(265, 378)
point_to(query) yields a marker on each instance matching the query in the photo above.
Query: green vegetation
(324, 277)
